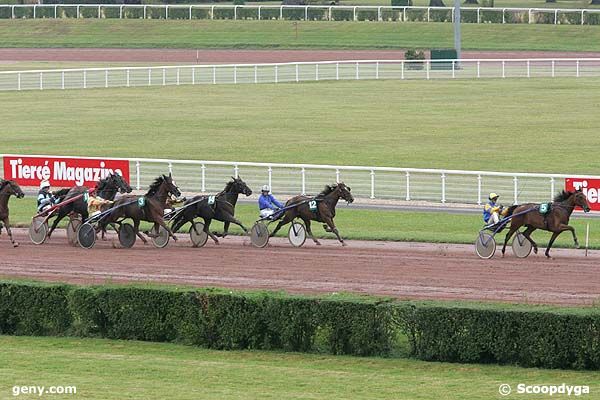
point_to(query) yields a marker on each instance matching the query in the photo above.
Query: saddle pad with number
(141, 201)
(211, 200)
(312, 205)
(545, 208)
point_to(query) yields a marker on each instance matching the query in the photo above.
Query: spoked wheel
(297, 234)
(259, 234)
(485, 245)
(38, 230)
(86, 235)
(126, 235)
(521, 246)
(72, 228)
(162, 238)
(197, 234)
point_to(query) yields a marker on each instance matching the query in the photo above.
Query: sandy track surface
(244, 56)
(401, 270)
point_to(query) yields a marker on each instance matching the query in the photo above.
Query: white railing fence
(400, 184)
(306, 13)
(85, 78)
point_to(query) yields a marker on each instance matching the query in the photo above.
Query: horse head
(120, 183)
(239, 186)
(13, 188)
(171, 186)
(580, 199)
(344, 192)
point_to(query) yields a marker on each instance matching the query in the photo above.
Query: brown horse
(556, 221)
(148, 208)
(322, 210)
(7, 189)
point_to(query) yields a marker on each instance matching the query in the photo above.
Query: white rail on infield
(87, 78)
(386, 183)
(500, 15)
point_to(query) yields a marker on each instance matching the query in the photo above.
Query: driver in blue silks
(267, 203)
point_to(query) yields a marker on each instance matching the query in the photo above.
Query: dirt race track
(402, 270)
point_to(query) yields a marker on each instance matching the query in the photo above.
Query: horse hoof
(15, 244)
(318, 243)
(344, 244)
(577, 246)
(535, 250)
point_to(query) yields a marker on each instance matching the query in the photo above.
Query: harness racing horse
(149, 207)
(7, 189)
(108, 186)
(556, 221)
(324, 212)
(223, 208)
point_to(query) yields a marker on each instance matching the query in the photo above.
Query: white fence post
(41, 81)
(402, 70)
(516, 189)
(577, 68)
(337, 71)
(407, 186)
(297, 73)
(479, 69)
(528, 69)
(62, 80)
(377, 70)
(106, 78)
(303, 173)
(372, 184)
(84, 79)
(443, 187)
(203, 178)
(270, 176)
(503, 68)
(357, 74)
(276, 74)
(553, 68)
(479, 190)
(552, 188)
(137, 175)
(18, 81)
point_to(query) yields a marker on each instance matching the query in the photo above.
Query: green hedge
(215, 318)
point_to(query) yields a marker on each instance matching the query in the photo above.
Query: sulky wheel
(38, 230)
(126, 235)
(197, 234)
(259, 234)
(162, 238)
(297, 234)
(86, 235)
(485, 245)
(521, 246)
(72, 228)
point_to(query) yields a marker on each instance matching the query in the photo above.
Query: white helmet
(44, 184)
(265, 188)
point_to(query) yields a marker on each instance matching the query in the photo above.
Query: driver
(267, 203)
(492, 211)
(45, 199)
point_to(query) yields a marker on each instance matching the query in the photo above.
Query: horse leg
(552, 239)
(58, 218)
(512, 230)
(208, 232)
(164, 225)
(565, 227)
(286, 220)
(231, 219)
(527, 233)
(10, 236)
(309, 231)
(333, 228)
(136, 229)
(225, 230)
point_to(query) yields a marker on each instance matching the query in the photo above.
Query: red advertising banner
(589, 187)
(62, 171)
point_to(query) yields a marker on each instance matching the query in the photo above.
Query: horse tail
(511, 210)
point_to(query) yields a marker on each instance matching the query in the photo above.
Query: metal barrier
(385, 183)
(554, 16)
(85, 78)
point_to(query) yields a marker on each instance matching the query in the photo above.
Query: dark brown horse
(223, 208)
(323, 210)
(144, 208)
(556, 221)
(7, 189)
(78, 206)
